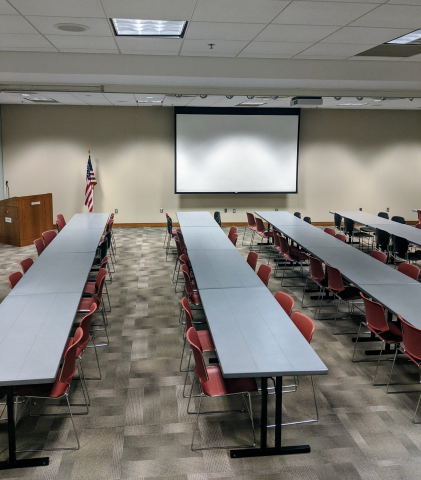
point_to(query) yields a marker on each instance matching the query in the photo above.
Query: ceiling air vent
(41, 100)
(305, 101)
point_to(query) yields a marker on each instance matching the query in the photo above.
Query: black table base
(12, 462)
(264, 450)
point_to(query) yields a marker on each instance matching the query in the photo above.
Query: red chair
(40, 246)
(14, 278)
(91, 288)
(411, 347)
(262, 232)
(276, 245)
(290, 254)
(60, 216)
(317, 275)
(340, 237)
(348, 294)
(252, 258)
(232, 232)
(418, 225)
(48, 237)
(251, 225)
(411, 271)
(419, 217)
(26, 264)
(264, 273)
(192, 296)
(380, 256)
(184, 260)
(330, 231)
(285, 301)
(234, 239)
(60, 388)
(60, 224)
(175, 279)
(376, 321)
(213, 384)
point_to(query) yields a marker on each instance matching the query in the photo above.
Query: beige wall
(348, 159)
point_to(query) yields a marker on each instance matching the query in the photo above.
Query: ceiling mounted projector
(301, 101)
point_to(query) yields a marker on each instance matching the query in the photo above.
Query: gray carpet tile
(138, 426)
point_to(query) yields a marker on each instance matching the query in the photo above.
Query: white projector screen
(236, 153)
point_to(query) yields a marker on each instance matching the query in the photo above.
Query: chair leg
(97, 360)
(378, 363)
(391, 370)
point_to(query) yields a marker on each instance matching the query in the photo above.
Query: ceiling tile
(263, 55)
(322, 13)
(121, 99)
(375, 59)
(7, 9)
(176, 102)
(404, 2)
(15, 24)
(29, 49)
(206, 54)
(276, 48)
(295, 33)
(92, 98)
(220, 46)
(71, 41)
(150, 9)
(320, 57)
(223, 31)
(21, 41)
(128, 51)
(150, 44)
(89, 50)
(365, 35)
(242, 11)
(394, 16)
(59, 8)
(96, 26)
(414, 58)
(336, 49)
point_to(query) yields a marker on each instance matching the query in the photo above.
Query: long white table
(37, 315)
(253, 335)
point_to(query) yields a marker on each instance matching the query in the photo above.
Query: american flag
(90, 183)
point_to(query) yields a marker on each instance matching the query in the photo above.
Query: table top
(88, 220)
(196, 219)
(399, 299)
(311, 237)
(206, 238)
(224, 268)
(281, 218)
(363, 217)
(254, 337)
(73, 241)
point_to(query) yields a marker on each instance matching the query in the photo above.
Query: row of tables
(252, 334)
(37, 315)
(398, 293)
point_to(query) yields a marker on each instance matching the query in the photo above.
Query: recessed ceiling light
(413, 38)
(149, 101)
(25, 95)
(42, 100)
(351, 104)
(229, 96)
(71, 27)
(274, 97)
(149, 28)
(149, 97)
(250, 104)
(337, 98)
(203, 96)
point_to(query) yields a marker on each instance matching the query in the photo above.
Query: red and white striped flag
(90, 183)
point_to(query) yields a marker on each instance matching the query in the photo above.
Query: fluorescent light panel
(413, 38)
(149, 28)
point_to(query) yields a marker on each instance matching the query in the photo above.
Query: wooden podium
(23, 219)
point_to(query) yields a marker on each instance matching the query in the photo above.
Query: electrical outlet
(116, 210)
(276, 209)
(161, 210)
(233, 210)
(387, 209)
(225, 210)
(361, 209)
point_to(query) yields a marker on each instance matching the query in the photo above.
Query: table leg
(264, 450)
(12, 462)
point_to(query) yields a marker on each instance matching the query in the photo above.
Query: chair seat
(393, 335)
(254, 228)
(206, 340)
(195, 299)
(217, 385)
(85, 304)
(89, 288)
(46, 390)
(322, 283)
(295, 257)
(350, 293)
(267, 234)
(79, 350)
(194, 284)
(367, 229)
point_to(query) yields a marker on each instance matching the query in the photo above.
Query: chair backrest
(380, 256)
(304, 324)
(252, 258)
(419, 216)
(260, 226)
(217, 218)
(189, 288)
(102, 247)
(68, 368)
(233, 231)
(104, 262)
(26, 264)
(400, 246)
(110, 224)
(411, 339)
(337, 220)
(264, 273)
(181, 240)
(418, 225)
(99, 283)
(189, 317)
(251, 221)
(40, 246)
(340, 237)
(334, 278)
(375, 315)
(107, 238)
(194, 340)
(48, 237)
(398, 219)
(307, 219)
(14, 278)
(348, 226)
(316, 269)
(383, 215)
(297, 214)
(411, 271)
(184, 259)
(169, 224)
(283, 245)
(383, 239)
(329, 231)
(276, 241)
(177, 244)
(60, 224)
(60, 216)
(285, 301)
(85, 325)
(234, 239)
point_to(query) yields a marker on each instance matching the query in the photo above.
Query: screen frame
(234, 111)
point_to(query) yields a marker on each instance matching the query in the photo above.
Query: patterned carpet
(138, 428)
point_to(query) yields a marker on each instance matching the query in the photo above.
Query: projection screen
(234, 152)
